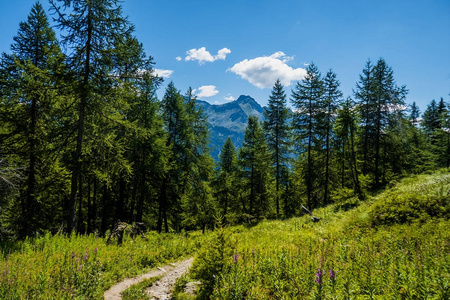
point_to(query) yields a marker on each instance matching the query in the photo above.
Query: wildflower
(81, 267)
(95, 250)
(319, 276)
(332, 274)
(235, 258)
(85, 256)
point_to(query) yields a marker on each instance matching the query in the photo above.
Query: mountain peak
(245, 99)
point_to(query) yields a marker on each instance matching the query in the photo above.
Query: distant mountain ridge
(229, 120)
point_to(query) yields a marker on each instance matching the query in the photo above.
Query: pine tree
(346, 130)
(364, 93)
(277, 132)
(91, 30)
(415, 114)
(254, 162)
(380, 98)
(32, 77)
(198, 204)
(332, 97)
(307, 99)
(178, 134)
(226, 180)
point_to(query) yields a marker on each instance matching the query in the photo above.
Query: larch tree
(346, 133)
(226, 180)
(332, 98)
(31, 88)
(91, 30)
(307, 99)
(256, 168)
(277, 132)
(379, 101)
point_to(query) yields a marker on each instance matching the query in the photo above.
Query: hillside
(348, 254)
(229, 120)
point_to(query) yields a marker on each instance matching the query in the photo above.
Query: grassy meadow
(395, 245)
(82, 267)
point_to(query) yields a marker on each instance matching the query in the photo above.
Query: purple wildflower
(85, 256)
(319, 276)
(235, 258)
(81, 267)
(95, 250)
(332, 274)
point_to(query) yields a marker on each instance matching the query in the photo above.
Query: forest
(85, 142)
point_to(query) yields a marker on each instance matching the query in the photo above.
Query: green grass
(394, 245)
(137, 291)
(347, 255)
(82, 267)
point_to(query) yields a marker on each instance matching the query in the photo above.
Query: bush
(212, 259)
(417, 199)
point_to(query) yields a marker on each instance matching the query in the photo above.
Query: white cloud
(163, 73)
(229, 98)
(178, 58)
(222, 53)
(202, 55)
(263, 71)
(206, 91)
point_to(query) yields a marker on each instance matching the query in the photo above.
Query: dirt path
(160, 289)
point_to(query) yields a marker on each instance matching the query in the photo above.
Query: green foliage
(417, 199)
(67, 267)
(137, 291)
(278, 136)
(343, 256)
(256, 172)
(212, 259)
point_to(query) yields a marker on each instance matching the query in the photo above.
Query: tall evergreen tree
(364, 93)
(307, 99)
(254, 162)
(346, 130)
(277, 131)
(31, 78)
(198, 205)
(91, 30)
(226, 180)
(332, 97)
(430, 120)
(415, 114)
(176, 126)
(380, 99)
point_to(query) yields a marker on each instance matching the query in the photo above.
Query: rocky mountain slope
(229, 120)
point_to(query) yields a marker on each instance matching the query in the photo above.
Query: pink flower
(235, 258)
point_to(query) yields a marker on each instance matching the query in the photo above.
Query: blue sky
(223, 49)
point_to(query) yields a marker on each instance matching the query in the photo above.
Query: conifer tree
(277, 132)
(380, 99)
(226, 180)
(254, 162)
(307, 99)
(332, 97)
(31, 86)
(198, 205)
(91, 30)
(176, 125)
(415, 114)
(346, 130)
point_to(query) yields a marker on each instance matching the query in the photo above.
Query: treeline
(85, 143)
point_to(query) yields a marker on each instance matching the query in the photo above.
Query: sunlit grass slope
(393, 246)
